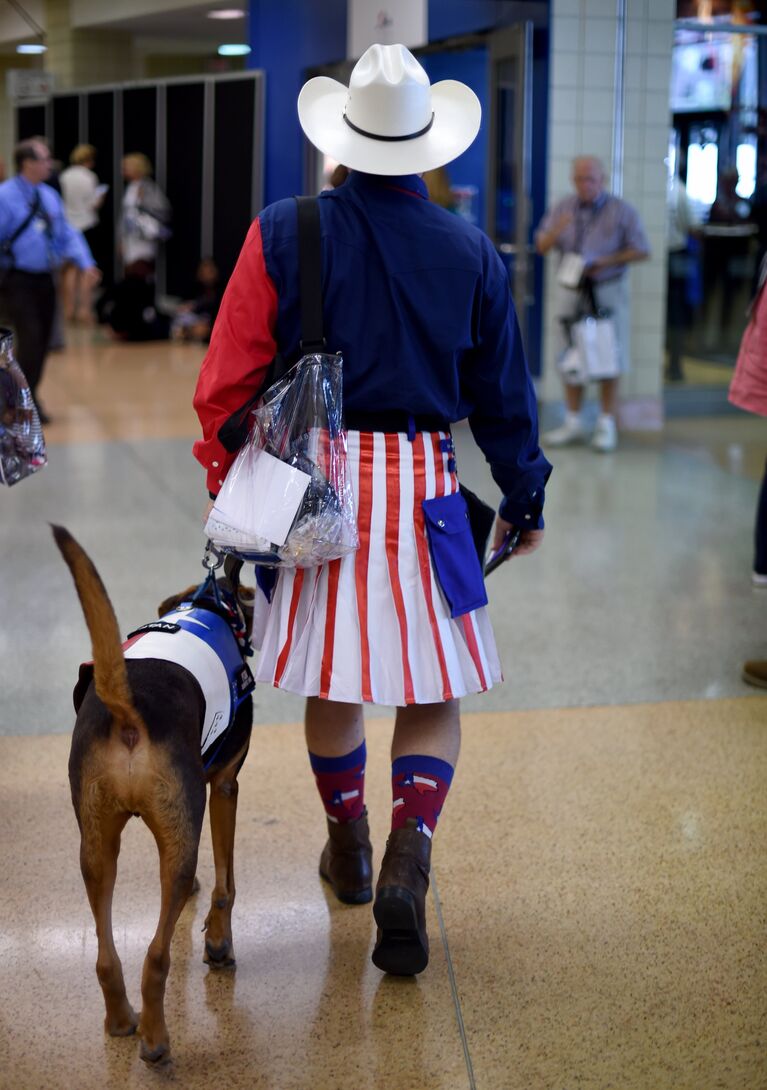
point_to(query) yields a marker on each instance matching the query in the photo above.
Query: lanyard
(585, 215)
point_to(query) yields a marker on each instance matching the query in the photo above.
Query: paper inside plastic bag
(265, 503)
(287, 500)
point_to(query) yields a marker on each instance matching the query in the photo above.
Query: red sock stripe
(326, 672)
(422, 548)
(362, 557)
(282, 661)
(392, 554)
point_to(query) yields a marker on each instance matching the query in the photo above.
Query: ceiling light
(233, 50)
(227, 13)
(31, 47)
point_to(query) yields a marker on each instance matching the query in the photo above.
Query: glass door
(509, 172)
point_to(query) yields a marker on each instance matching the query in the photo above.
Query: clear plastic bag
(287, 499)
(22, 445)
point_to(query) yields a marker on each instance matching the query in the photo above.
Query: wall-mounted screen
(715, 71)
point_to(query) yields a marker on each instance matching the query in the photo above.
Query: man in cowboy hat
(418, 303)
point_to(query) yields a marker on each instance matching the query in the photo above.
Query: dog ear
(175, 600)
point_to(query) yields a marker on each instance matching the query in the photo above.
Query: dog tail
(109, 672)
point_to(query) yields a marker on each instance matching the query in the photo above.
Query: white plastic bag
(597, 343)
(288, 500)
(570, 271)
(22, 445)
(572, 367)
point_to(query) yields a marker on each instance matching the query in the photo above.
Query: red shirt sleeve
(241, 348)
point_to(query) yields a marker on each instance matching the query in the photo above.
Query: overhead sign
(386, 22)
(24, 83)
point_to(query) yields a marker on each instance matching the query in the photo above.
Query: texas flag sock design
(341, 784)
(419, 786)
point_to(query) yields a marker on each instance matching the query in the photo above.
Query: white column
(582, 91)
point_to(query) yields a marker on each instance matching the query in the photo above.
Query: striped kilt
(374, 626)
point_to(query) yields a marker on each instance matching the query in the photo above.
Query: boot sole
(360, 897)
(399, 949)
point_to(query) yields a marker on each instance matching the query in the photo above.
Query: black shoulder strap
(310, 274)
(34, 208)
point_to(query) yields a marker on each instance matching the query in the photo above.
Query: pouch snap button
(440, 522)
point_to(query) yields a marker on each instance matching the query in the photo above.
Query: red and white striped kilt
(374, 627)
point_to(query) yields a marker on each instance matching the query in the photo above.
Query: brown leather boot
(347, 861)
(755, 673)
(402, 945)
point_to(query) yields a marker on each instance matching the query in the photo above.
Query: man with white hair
(417, 301)
(605, 235)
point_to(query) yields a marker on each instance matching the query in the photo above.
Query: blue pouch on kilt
(454, 554)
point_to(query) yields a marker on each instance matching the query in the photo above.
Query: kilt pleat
(374, 627)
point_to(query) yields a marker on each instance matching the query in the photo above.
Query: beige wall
(581, 111)
(7, 131)
(83, 57)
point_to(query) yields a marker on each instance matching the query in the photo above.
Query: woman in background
(82, 196)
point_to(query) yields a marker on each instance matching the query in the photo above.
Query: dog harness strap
(202, 642)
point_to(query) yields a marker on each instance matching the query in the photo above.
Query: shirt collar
(407, 183)
(594, 205)
(27, 188)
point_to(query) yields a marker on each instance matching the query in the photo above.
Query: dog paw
(155, 1057)
(219, 957)
(122, 1025)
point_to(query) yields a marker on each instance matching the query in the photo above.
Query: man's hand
(529, 540)
(544, 241)
(561, 223)
(208, 510)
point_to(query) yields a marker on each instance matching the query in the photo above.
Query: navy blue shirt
(418, 302)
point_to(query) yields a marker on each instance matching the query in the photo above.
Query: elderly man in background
(606, 234)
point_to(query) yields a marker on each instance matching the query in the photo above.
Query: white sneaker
(759, 580)
(605, 437)
(572, 431)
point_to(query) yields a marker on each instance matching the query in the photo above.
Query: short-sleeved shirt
(79, 193)
(598, 229)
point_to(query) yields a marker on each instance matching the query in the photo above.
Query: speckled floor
(597, 920)
(598, 911)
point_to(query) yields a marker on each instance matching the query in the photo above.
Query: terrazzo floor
(597, 920)
(598, 911)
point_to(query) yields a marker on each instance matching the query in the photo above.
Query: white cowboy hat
(390, 119)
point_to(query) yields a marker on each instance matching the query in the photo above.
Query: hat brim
(457, 117)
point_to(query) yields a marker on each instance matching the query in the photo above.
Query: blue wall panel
(286, 38)
(448, 18)
(471, 68)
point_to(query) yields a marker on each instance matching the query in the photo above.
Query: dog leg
(176, 825)
(99, 849)
(219, 952)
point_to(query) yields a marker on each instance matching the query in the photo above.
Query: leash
(210, 595)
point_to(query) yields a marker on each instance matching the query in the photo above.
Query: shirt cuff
(523, 516)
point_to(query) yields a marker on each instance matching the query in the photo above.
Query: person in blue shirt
(417, 301)
(34, 239)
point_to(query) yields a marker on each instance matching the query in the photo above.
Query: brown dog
(136, 751)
